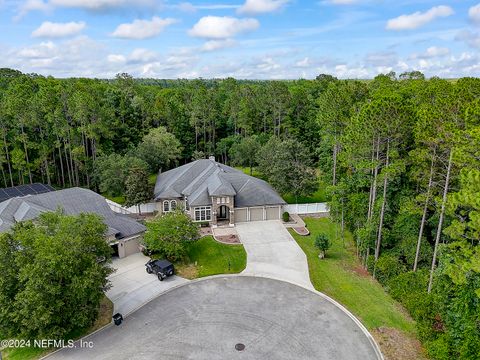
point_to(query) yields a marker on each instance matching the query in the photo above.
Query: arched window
(173, 205)
(166, 206)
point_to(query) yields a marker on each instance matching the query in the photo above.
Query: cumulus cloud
(32, 5)
(216, 27)
(142, 29)
(252, 7)
(89, 5)
(432, 52)
(474, 14)
(418, 19)
(57, 30)
(213, 45)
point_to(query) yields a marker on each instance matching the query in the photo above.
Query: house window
(166, 206)
(218, 200)
(173, 205)
(203, 213)
(227, 200)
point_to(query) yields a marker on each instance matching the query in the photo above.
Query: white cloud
(216, 27)
(100, 4)
(303, 63)
(418, 19)
(432, 52)
(142, 29)
(31, 5)
(342, 2)
(116, 58)
(213, 45)
(89, 5)
(261, 6)
(58, 30)
(474, 14)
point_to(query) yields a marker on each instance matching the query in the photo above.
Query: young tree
(322, 243)
(137, 187)
(169, 233)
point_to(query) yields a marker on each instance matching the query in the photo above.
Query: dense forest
(400, 157)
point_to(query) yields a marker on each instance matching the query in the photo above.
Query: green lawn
(341, 277)
(209, 257)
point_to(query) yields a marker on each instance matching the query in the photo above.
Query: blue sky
(248, 39)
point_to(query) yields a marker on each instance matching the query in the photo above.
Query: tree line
(404, 168)
(400, 155)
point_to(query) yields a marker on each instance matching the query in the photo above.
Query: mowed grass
(209, 257)
(104, 318)
(341, 277)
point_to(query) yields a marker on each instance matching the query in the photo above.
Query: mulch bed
(301, 231)
(204, 231)
(228, 239)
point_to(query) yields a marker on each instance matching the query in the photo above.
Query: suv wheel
(149, 271)
(160, 277)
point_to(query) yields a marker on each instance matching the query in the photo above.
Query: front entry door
(223, 212)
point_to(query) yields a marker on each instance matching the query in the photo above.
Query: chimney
(211, 158)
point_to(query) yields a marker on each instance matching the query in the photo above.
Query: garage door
(130, 246)
(273, 213)
(241, 215)
(256, 214)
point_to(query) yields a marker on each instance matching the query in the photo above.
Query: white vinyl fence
(315, 208)
(144, 208)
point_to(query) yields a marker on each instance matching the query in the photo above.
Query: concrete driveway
(205, 319)
(272, 252)
(132, 286)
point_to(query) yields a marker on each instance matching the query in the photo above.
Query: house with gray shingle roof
(217, 193)
(123, 232)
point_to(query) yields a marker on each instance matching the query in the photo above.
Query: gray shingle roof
(201, 179)
(72, 201)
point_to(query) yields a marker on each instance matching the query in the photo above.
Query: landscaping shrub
(322, 243)
(286, 216)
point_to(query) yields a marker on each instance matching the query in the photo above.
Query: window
(203, 213)
(218, 200)
(166, 206)
(227, 200)
(173, 205)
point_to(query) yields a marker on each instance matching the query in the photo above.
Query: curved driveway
(272, 252)
(205, 320)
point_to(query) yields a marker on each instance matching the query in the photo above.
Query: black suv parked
(161, 268)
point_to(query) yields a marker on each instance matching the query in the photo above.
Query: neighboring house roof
(202, 179)
(72, 202)
(22, 190)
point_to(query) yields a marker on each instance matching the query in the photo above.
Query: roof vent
(211, 158)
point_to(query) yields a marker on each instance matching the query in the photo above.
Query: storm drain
(239, 347)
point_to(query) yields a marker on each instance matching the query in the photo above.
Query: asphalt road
(205, 320)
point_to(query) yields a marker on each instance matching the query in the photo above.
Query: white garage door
(256, 214)
(241, 215)
(273, 213)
